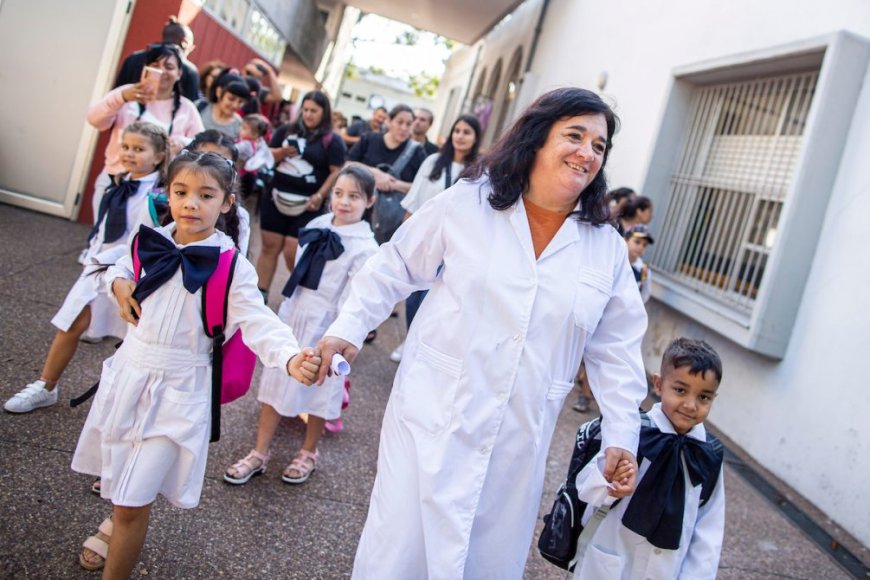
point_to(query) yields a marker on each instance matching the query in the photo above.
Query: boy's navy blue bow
(113, 207)
(321, 245)
(656, 508)
(160, 259)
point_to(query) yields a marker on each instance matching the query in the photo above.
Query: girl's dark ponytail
(229, 223)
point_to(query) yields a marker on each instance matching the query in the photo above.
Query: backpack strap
(215, 301)
(137, 264)
(411, 147)
(327, 141)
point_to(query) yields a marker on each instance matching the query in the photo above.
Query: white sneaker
(396, 355)
(33, 396)
(90, 339)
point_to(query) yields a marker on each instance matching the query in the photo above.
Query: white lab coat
(615, 552)
(309, 312)
(487, 365)
(148, 428)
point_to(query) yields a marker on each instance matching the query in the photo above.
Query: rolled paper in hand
(339, 366)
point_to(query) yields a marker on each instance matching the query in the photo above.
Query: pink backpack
(232, 361)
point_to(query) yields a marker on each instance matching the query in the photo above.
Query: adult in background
(422, 122)
(228, 93)
(393, 158)
(207, 75)
(308, 155)
(174, 32)
(360, 127)
(437, 173)
(531, 279)
(167, 108)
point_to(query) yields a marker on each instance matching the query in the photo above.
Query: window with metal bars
(736, 166)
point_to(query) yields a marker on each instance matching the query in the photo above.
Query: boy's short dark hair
(699, 356)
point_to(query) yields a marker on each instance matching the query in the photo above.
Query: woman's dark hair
(221, 170)
(362, 176)
(509, 163)
(204, 72)
(621, 193)
(398, 109)
(214, 137)
(155, 53)
(253, 104)
(325, 127)
(699, 356)
(634, 205)
(445, 155)
(229, 81)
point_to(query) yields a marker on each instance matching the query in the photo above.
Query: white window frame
(841, 60)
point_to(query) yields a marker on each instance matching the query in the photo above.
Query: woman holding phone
(156, 98)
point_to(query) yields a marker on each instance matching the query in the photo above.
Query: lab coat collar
(361, 229)
(566, 235)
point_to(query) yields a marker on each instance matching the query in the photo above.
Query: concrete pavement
(265, 529)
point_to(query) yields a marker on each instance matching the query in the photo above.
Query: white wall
(805, 417)
(365, 88)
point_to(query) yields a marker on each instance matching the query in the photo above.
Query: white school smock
(423, 189)
(90, 289)
(309, 313)
(148, 428)
(615, 552)
(487, 364)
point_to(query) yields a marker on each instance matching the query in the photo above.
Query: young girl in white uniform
(345, 241)
(147, 432)
(88, 312)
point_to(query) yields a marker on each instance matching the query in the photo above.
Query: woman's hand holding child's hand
(621, 471)
(621, 479)
(304, 366)
(123, 291)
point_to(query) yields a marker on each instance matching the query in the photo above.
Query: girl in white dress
(87, 312)
(147, 432)
(337, 244)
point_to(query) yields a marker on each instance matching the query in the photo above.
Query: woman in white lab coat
(532, 279)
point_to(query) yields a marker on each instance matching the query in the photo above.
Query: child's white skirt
(90, 290)
(288, 396)
(148, 428)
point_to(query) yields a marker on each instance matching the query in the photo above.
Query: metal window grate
(737, 163)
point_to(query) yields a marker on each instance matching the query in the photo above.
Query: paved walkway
(265, 529)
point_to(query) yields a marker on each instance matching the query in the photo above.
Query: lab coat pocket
(598, 565)
(559, 389)
(429, 389)
(593, 294)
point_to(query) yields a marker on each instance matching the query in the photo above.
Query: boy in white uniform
(672, 526)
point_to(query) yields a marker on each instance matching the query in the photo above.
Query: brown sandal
(98, 546)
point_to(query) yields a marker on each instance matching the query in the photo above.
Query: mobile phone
(151, 79)
(292, 143)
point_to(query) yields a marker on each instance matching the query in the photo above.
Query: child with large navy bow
(334, 247)
(147, 432)
(672, 526)
(87, 312)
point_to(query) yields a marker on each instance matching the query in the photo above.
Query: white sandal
(245, 468)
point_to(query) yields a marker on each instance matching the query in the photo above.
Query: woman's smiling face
(569, 160)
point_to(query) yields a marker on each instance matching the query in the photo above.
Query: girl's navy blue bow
(321, 245)
(656, 508)
(160, 258)
(113, 207)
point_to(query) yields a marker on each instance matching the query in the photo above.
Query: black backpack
(558, 540)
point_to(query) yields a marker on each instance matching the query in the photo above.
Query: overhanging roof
(460, 20)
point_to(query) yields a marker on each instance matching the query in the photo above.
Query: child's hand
(621, 479)
(304, 366)
(123, 288)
